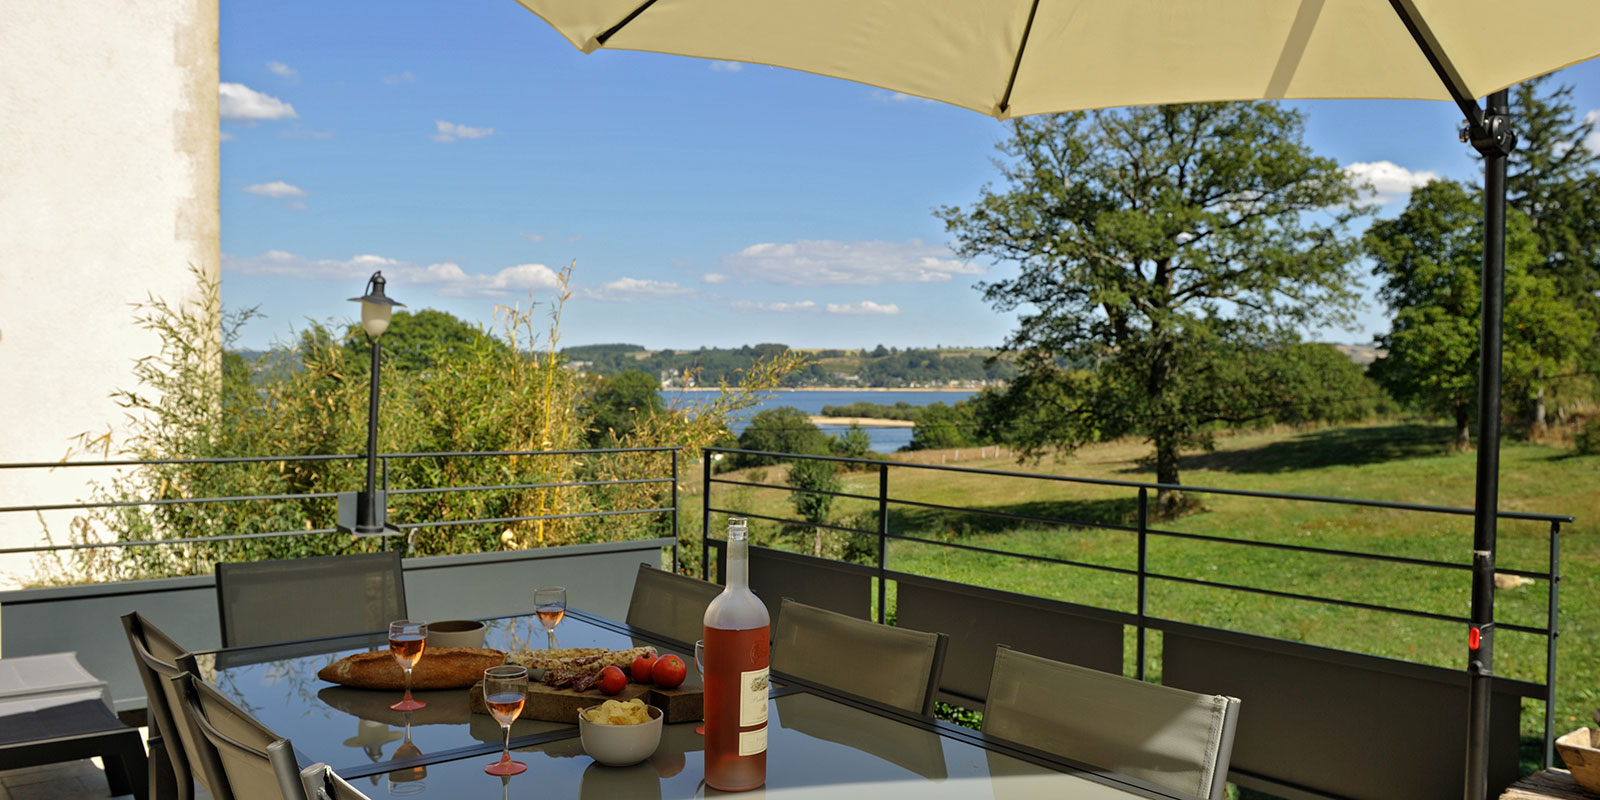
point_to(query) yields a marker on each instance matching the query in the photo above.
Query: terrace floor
(71, 780)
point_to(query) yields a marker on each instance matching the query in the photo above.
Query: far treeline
(878, 367)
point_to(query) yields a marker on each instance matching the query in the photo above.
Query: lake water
(884, 440)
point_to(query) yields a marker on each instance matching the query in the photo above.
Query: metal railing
(404, 527)
(1144, 531)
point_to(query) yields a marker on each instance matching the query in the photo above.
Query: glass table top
(815, 745)
(353, 728)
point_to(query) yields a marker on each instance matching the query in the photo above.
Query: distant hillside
(1362, 354)
(881, 367)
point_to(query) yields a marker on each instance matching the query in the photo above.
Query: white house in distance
(108, 193)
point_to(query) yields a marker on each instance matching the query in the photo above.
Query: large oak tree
(1163, 256)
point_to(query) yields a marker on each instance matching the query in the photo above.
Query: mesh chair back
(898, 667)
(262, 602)
(669, 604)
(323, 784)
(1170, 737)
(257, 764)
(156, 656)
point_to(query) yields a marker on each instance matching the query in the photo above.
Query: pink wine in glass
(737, 634)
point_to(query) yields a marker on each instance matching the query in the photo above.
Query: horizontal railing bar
(142, 462)
(1303, 548)
(574, 515)
(151, 542)
(1012, 515)
(175, 501)
(992, 551)
(786, 488)
(1519, 515)
(788, 521)
(1335, 601)
(562, 485)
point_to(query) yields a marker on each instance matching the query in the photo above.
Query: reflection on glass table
(354, 729)
(815, 745)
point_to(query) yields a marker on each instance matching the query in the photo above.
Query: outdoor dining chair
(670, 604)
(256, 764)
(263, 602)
(898, 667)
(173, 752)
(1170, 737)
(322, 783)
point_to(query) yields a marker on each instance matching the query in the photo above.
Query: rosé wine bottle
(737, 637)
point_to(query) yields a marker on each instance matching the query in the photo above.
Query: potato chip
(612, 712)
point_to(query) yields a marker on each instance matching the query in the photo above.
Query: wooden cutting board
(550, 704)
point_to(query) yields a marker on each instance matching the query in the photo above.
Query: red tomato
(611, 681)
(669, 672)
(641, 667)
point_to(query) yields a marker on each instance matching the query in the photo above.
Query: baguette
(440, 668)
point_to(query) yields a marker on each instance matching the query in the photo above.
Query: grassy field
(1407, 463)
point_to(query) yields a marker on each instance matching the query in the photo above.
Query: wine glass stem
(505, 753)
(408, 683)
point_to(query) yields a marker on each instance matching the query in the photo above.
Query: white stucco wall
(108, 192)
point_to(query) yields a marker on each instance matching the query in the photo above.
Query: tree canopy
(1155, 247)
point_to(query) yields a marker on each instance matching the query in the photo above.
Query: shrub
(1588, 438)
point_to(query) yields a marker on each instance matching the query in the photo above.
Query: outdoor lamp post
(363, 513)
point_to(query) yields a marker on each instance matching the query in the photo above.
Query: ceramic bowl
(621, 745)
(456, 633)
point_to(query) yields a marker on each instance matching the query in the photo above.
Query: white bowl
(456, 633)
(621, 745)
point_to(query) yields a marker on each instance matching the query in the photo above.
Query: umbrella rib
(1005, 100)
(611, 31)
(1432, 51)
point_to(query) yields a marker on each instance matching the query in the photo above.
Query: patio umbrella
(1010, 58)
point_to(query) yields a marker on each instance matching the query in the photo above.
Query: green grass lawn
(1406, 463)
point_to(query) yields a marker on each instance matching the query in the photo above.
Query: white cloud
(236, 101)
(306, 133)
(865, 307)
(532, 237)
(802, 305)
(449, 132)
(404, 77)
(283, 70)
(1593, 140)
(224, 136)
(447, 278)
(822, 263)
(1389, 181)
(276, 189)
(627, 290)
(884, 96)
(726, 66)
(714, 277)
(296, 205)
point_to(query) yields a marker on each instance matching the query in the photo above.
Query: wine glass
(505, 689)
(550, 602)
(406, 640)
(407, 781)
(700, 666)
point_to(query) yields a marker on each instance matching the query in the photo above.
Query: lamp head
(376, 307)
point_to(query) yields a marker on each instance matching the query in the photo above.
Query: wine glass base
(408, 705)
(505, 768)
(700, 729)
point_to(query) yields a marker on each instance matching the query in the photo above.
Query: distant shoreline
(865, 422)
(839, 389)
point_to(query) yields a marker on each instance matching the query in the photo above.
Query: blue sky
(471, 153)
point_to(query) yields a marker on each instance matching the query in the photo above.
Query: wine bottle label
(753, 742)
(753, 700)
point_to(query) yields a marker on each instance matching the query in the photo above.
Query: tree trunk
(1169, 502)
(1537, 424)
(1463, 433)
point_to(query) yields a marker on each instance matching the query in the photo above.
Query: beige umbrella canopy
(1009, 58)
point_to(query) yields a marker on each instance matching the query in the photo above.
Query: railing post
(1144, 538)
(674, 510)
(883, 541)
(1553, 632)
(705, 517)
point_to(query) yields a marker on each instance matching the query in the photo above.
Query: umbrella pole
(1495, 140)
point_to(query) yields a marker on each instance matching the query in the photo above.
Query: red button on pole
(1473, 637)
